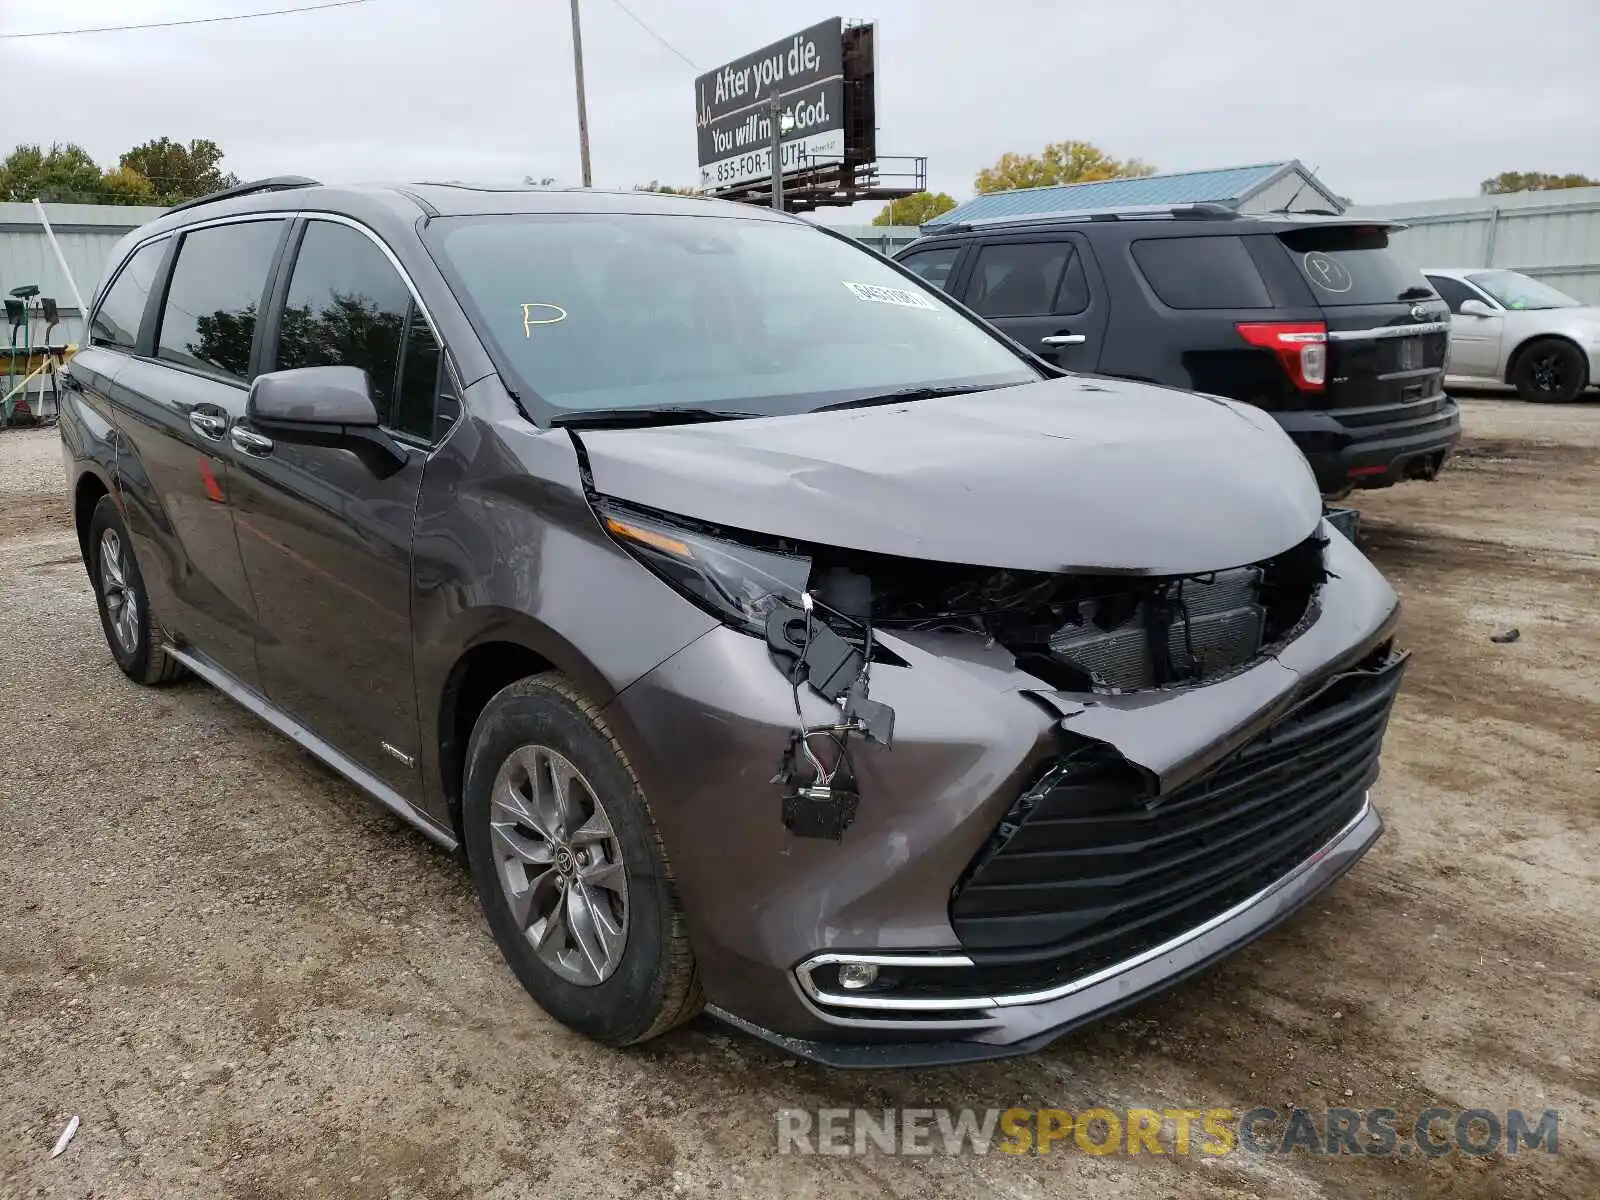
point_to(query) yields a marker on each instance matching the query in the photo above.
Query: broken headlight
(737, 584)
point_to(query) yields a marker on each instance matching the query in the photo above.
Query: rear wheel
(132, 631)
(1550, 371)
(569, 868)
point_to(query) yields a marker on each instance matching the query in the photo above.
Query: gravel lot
(249, 982)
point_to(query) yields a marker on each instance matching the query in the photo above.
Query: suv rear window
(1201, 272)
(1353, 264)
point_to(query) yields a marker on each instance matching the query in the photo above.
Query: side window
(1073, 297)
(1451, 291)
(116, 322)
(933, 265)
(209, 320)
(347, 306)
(1201, 272)
(1018, 279)
(419, 381)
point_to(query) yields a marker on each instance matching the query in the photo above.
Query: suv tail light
(1303, 347)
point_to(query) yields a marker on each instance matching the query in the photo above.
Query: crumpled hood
(1082, 474)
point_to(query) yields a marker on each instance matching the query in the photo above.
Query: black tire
(654, 985)
(1550, 371)
(140, 656)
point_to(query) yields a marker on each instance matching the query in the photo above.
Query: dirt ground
(250, 982)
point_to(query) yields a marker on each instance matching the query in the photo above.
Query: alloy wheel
(122, 605)
(560, 864)
(1547, 374)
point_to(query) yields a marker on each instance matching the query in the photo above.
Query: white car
(1506, 328)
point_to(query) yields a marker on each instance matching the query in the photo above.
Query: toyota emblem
(1418, 313)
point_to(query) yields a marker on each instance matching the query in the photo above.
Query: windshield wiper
(643, 416)
(1417, 292)
(900, 394)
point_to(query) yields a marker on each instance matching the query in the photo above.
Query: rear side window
(933, 265)
(1201, 272)
(347, 306)
(209, 321)
(116, 323)
(1027, 279)
(1353, 264)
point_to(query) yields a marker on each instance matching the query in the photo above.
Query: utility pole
(583, 107)
(777, 150)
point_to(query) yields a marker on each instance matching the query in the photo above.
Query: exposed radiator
(1214, 626)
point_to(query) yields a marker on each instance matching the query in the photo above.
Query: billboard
(733, 106)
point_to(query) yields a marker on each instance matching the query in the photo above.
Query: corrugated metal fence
(1554, 236)
(87, 233)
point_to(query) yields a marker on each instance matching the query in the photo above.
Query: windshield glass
(599, 311)
(1519, 292)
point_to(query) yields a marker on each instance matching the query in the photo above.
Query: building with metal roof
(1265, 187)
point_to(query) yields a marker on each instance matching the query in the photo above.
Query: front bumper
(1375, 447)
(1020, 1023)
(704, 732)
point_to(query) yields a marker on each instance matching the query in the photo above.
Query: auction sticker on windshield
(877, 294)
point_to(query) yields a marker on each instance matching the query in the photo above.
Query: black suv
(1312, 319)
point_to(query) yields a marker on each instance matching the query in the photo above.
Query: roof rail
(1205, 212)
(1124, 212)
(276, 183)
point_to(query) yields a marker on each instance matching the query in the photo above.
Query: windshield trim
(543, 413)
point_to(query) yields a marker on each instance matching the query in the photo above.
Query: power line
(277, 12)
(640, 23)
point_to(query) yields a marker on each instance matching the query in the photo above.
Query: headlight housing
(735, 583)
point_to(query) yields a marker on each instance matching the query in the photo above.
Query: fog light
(855, 976)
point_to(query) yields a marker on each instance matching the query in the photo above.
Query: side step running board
(306, 740)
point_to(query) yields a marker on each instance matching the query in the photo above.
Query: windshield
(601, 311)
(1518, 292)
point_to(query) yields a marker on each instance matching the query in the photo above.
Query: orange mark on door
(213, 488)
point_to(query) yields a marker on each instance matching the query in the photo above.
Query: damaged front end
(1006, 800)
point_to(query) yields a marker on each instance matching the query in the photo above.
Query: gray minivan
(770, 635)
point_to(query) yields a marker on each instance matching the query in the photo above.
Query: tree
(1532, 181)
(126, 186)
(1059, 162)
(655, 185)
(916, 209)
(180, 172)
(63, 173)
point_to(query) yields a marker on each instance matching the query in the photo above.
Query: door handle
(1064, 339)
(247, 441)
(208, 424)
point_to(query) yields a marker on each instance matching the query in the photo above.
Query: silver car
(1509, 329)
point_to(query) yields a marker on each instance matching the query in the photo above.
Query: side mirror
(312, 396)
(323, 406)
(1477, 308)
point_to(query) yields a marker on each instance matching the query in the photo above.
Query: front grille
(1089, 869)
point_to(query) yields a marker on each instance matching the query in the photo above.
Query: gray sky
(1390, 101)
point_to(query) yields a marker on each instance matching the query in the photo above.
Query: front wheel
(570, 870)
(1550, 371)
